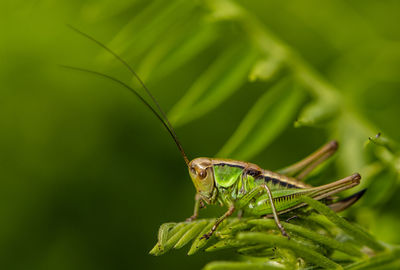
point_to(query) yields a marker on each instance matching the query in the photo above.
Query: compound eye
(203, 174)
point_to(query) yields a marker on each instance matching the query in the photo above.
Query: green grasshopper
(245, 186)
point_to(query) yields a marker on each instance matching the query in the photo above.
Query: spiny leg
(313, 165)
(256, 191)
(302, 168)
(196, 208)
(214, 228)
(277, 221)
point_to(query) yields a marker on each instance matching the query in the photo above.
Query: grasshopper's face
(201, 172)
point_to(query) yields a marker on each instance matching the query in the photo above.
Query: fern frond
(316, 240)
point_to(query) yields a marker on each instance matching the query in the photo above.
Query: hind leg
(302, 168)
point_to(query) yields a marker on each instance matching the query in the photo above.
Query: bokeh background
(87, 173)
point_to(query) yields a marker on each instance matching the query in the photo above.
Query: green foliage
(288, 79)
(265, 81)
(322, 240)
(264, 122)
(260, 56)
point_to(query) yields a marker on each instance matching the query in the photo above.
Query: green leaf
(390, 259)
(192, 45)
(190, 234)
(199, 242)
(264, 122)
(176, 235)
(299, 248)
(232, 228)
(317, 237)
(222, 265)
(224, 76)
(353, 231)
(151, 62)
(266, 69)
(163, 233)
(141, 33)
(317, 112)
(224, 244)
(260, 237)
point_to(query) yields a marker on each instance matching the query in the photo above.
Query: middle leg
(256, 192)
(277, 221)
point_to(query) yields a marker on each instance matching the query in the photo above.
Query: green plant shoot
(243, 186)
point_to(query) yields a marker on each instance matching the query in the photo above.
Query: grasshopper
(258, 192)
(245, 186)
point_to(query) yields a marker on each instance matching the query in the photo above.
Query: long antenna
(168, 127)
(119, 58)
(164, 118)
(138, 96)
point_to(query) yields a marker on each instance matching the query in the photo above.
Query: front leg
(197, 199)
(214, 228)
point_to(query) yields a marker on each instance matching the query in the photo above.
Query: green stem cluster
(323, 240)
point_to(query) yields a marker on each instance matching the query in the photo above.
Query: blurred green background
(87, 174)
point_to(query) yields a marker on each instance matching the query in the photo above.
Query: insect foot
(284, 233)
(194, 217)
(356, 177)
(206, 236)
